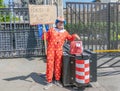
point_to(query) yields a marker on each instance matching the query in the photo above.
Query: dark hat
(60, 19)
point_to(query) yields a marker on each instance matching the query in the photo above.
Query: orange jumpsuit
(55, 40)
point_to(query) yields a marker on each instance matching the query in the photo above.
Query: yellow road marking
(106, 50)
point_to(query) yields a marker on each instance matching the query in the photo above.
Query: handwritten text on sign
(42, 14)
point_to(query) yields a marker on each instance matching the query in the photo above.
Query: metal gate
(98, 24)
(17, 37)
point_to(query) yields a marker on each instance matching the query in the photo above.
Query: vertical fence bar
(117, 21)
(71, 21)
(99, 26)
(10, 7)
(92, 19)
(108, 30)
(83, 21)
(112, 27)
(88, 24)
(75, 14)
(67, 13)
(105, 24)
(96, 26)
(79, 13)
(118, 25)
(5, 19)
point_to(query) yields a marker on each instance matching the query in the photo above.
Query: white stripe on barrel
(82, 71)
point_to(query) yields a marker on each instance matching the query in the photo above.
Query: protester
(55, 40)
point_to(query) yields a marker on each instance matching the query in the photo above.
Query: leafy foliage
(6, 16)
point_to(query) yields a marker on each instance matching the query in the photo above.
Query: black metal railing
(17, 37)
(98, 24)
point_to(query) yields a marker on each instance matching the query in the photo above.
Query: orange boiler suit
(55, 41)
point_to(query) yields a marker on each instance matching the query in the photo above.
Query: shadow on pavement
(75, 89)
(111, 62)
(99, 56)
(33, 58)
(110, 73)
(106, 61)
(38, 78)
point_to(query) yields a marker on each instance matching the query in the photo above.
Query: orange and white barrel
(82, 72)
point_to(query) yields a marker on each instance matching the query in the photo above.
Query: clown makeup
(60, 25)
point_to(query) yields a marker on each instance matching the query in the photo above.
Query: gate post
(66, 13)
(108, 32)
(60, 7)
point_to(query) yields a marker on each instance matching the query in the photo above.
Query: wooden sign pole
(45, 42)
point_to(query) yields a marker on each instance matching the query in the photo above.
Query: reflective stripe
(80, 81)
(82, 61)
(80, 69)
(83, 73)
(87, 80)
(79, 61)
(82, 76)
(87, 77)
(79, 77)
(87, 69)
(87, 65)
(86, 61)
(83, 69)
(80, 65)
(80, 73)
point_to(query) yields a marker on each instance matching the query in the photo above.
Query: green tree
(2, 4)
(5, 16)
(2, 17)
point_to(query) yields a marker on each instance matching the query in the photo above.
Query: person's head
(60, 22)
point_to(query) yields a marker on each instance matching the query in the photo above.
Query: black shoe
(58, 83)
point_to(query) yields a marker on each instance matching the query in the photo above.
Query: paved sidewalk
(23, 74)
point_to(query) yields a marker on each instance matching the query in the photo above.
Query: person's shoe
(58, 83)
(48, 85)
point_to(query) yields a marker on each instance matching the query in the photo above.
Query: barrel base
(83, 85)
(68, 69)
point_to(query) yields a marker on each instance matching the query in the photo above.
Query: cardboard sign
(42, 14)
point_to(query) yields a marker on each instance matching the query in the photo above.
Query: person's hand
(44, 31)
(77, 36)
